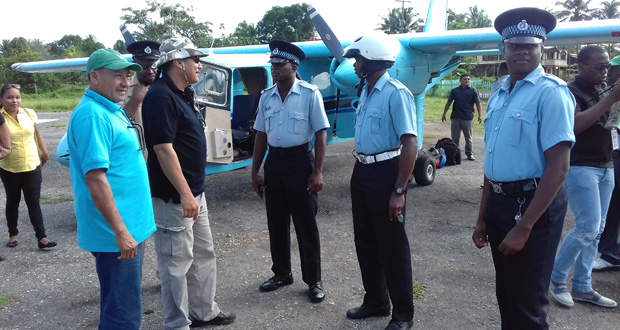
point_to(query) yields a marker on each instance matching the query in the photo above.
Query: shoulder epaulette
(308, 85)
(554, 78)
(268, 88)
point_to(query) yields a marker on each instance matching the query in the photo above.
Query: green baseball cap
(615, 61)
(109, 59)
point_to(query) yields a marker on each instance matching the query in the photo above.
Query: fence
(443, 88)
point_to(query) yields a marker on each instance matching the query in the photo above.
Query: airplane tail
(437, 16)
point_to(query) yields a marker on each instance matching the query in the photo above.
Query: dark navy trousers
(609, 245)
(522, 280)
(381, 243)
(286, 180)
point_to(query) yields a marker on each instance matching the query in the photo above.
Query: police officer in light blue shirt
(290, 114)
(528, 136)
(385, 148)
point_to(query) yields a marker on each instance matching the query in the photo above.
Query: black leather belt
(289, 152)
(514, 187)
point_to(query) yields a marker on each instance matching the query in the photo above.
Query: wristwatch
(400, 190)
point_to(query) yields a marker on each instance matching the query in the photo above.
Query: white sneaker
(594, 298)
(601, 264)
(561, 294)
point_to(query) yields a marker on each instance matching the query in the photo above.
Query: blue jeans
(121, 290)
(589, 191)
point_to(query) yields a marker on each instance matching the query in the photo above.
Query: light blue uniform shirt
(382, 117)
(520, 126)
(292, 122)
(98, 137)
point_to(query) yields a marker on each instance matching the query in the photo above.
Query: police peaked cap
(145, 50)
(284, 51)
(525, 25)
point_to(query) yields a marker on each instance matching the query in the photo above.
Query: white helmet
(177, 48)
(374, 47)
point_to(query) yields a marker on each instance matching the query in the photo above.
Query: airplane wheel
(424, 171)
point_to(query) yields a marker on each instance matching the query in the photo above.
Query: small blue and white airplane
(232, 79)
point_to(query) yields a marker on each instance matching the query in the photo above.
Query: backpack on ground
(453, 152)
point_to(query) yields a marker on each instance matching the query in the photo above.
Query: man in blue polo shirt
(110, 184)
(462, 117)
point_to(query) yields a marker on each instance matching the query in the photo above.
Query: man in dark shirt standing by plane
(462, 116)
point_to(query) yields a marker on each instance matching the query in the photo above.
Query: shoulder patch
(308, 85)
(554, 78)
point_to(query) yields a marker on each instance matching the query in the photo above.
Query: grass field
(67, 99)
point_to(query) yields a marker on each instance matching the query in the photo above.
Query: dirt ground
(58, 289)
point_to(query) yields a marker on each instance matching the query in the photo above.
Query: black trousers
(286, 180)
(30, 183)
(609, 245)
(381, 243)
(522, 280)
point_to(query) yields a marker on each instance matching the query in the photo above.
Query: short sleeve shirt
(521, 125)
(383, 116)
(292, 122)
(25, 154)
(99, 138)
(464, 100)
(169, 116)
(593, 147)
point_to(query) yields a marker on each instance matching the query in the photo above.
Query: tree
(120, 46)
(456, 21)
(175, 20)
(285, 23)
(476, 18)
(609, 10)
(399, 21)
(19, 50)
(574, 10)
(74, 46)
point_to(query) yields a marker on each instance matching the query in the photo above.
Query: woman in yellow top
(21, 170)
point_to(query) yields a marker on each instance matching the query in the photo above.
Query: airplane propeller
(328, 37)
(129, 39)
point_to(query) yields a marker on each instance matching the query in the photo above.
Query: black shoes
(1, 258)
(220, 319)
(316, 292)
(276, 282)
(399, 325)
(363, 312)
(48, 245)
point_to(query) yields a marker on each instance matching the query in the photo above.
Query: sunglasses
(194, 58)
(599, 67)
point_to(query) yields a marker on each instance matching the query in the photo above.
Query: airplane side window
(214, 86)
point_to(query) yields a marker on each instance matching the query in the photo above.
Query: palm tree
(476, 18)
(574, 10)
(399, 21)
(609, 10)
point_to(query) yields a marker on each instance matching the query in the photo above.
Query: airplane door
(213, 96)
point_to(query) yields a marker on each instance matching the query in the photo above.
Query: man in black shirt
(462, 116)
(589, 182)
(174, 133)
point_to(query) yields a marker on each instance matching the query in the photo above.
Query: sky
(51, 20)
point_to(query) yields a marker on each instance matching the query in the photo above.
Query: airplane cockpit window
(215, 83)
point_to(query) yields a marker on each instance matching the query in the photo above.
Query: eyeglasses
(599, 67)
(147, 67)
